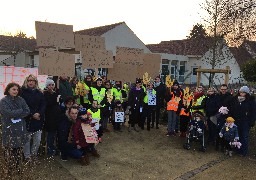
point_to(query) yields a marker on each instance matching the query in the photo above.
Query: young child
(230, 134)
(79, 137)
(96, 118)
(118, 108)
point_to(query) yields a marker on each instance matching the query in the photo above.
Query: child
(118, 108)
(79, 137)
(230, 134)
(96, 118)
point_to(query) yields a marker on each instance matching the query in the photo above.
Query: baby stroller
(196, 130)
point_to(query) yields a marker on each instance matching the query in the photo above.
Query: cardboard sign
(119, 117)
(90, 134)
(151, 99)
(132, 56)
(56, 63)
(86, 42)
(151, 65)
(97, 59)
(54, 35)
(123, 72)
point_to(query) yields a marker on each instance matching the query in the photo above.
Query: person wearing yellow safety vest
(198, 99)
(148, 105)
(98, 93)
(96, 118)
(185, 115)
(87, 83)
(119, 93)
(174, 101)
(135, 103)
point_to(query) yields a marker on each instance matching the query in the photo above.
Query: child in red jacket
(80, 139)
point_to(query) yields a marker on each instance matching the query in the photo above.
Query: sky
(152, 21)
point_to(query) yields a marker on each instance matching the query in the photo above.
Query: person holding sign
(149, 105)
(118, 114)
(84, 136)
(13, 110)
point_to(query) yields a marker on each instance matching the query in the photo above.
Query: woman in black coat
(52, 115)
(243, 111)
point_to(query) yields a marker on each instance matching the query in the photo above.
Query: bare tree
(229, 20)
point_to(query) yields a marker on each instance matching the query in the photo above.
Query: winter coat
(211, 105)
(244, 111)
(52, 112)
(225, 100)
(65, 90)
(79, 134)
(14, 135)
(231, 134)
(135, 98)
(36, 103)
(160, 94)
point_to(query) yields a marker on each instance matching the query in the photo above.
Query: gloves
(221, 135)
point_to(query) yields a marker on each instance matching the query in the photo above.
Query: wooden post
(227, 75)
(198, 77)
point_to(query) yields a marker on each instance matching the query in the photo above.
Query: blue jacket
(36, 103)
(231, 134)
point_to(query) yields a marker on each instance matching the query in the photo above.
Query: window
(165, 69)
(182, 71)
(194, 71)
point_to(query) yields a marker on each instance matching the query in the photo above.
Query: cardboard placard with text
(54, 35)
(90, 134)
(132, 56)
(56, 63)
(86, 42)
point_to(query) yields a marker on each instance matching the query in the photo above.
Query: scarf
(240, 98)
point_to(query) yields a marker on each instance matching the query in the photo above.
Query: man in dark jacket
(65, 88)
(160, 95)
(135, 103)
(225, 96)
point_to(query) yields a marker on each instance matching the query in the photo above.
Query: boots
(130, 128)
(86, 159)
(136, 128)
(95, 153)
(83, 162)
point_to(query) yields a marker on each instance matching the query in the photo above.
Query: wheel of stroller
(186, 146)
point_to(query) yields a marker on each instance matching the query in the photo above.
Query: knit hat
(48, 82)
(230, 119)
(244, 89)
(118, 102)
(88, 113)
(82, 111)
(138, 80)
(175, 83)
(198, 114)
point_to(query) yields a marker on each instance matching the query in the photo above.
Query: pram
(196, 131)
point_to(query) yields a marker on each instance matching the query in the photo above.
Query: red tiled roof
(98, 31)
(9, 43)
(182, 47)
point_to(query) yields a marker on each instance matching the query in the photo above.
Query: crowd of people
(66, 112)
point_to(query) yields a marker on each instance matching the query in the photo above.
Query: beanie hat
(244, 89)
(230, 119)
(138, 80)
(82, 111)
(175, 83)
(118, 102)
(88, 113)
(48, 82)
(198, 114)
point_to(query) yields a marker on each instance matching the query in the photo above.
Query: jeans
(172, 115)
(32, 149)
(50, 143)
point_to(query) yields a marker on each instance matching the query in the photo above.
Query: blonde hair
(25, 84)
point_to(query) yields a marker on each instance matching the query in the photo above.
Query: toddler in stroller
(196, 129)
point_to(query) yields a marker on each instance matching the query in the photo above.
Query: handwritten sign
(56, 63)
(151, 65)
(132, 56)
(97, 59)
(151, 99)
(54, 35)
(119, 117)
(86, 42)
(90, 134)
